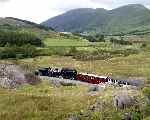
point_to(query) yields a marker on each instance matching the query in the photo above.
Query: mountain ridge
(125, 18)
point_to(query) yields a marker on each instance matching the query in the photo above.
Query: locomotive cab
(68, 73)
(42, 72)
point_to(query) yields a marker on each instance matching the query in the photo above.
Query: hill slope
(123, 19)
(15, 24)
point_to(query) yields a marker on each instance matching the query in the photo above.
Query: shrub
(121, 42)
(25, 51)
(32, 79)
(91, 38)
(146, 92)
(146, 109)
(19, 38)
(72, 51)
(100, 38)
(143, 45)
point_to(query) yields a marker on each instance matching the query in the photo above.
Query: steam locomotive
(72, 74)
(65, 73)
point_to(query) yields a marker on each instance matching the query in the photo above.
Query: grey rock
(93, 88)
(123, 101)
(7, 83)
(63, 83)
(127, 116)
(73, 117)
(55, 82)
(12, 76)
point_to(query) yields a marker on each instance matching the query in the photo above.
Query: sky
(41, 10)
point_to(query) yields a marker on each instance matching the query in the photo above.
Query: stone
(123, 101)
(93, 88)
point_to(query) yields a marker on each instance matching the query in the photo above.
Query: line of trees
(95, 38)
(18, 38)
(121, 41)
(18, 52)
(92, 38)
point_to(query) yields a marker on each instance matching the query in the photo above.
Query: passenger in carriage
(56, 72)
(50, 72)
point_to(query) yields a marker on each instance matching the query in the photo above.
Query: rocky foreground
(12, 76)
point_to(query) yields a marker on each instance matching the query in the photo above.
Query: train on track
(72, 74)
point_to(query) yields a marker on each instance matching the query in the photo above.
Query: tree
(19, 38)
(100, 38)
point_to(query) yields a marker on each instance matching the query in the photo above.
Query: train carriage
(71, 73)
(91, 78)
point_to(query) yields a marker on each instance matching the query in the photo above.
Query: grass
(45, 102)
(42, 102)
(50, 42)
(136, 65)
(50, 103)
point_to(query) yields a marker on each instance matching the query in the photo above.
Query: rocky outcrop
(8, 83)
(122, 101)
(12, 76)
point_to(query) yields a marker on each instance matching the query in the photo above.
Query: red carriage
(91, 78)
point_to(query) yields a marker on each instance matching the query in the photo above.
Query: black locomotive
(66, 73)
(71, 73)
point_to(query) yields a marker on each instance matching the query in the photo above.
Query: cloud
(65, 5)
(4, 0)
(102, 1)
(40, 10)
(116, 3)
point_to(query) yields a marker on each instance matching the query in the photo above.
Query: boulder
(122, 101)
(63, 83)
(93, 88)
(127, 116)
(12, 76)
(8, 83)
(73, 117)
(55, 82)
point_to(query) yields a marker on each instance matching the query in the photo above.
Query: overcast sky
(41, 10)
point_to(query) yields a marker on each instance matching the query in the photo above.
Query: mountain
(15, 24)
(122, 19)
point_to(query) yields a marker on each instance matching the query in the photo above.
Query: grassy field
(49, 42)
(46, 102)
(136, 65)
(42, 102)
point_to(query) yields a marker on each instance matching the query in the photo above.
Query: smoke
(4, 0)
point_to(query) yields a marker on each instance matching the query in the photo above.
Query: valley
(110, 44)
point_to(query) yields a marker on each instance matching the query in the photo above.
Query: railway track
(67, 81)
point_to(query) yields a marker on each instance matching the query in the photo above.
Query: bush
(121, 42)
(146, 110)
(146, 92)
(100, 38)
(18, 38)
(91, 38)
(143, 45)
(72, 51)
(101, 54)
(96, 38)
(32, 79)
(25, 51)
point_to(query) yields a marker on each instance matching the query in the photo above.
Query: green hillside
(123, 19)
(15, 24)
